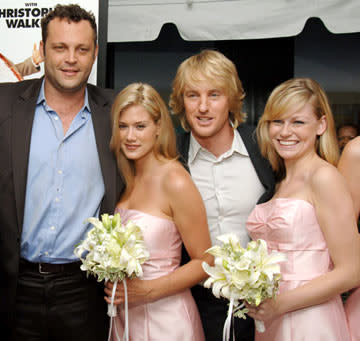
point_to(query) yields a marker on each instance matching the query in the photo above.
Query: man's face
(206, 110)
(345, 135)
(69, 54)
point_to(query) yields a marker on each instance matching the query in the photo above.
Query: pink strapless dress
(352, 310)
(174, 317)
(290, 226)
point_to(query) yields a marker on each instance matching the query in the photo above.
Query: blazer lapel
(23, 113)
(262, 166)
(183, 145)
(100, 112)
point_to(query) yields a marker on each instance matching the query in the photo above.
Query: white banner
(198, 20)
(20, 33)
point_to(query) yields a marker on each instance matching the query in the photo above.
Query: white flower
(250, 274)
(112, 250)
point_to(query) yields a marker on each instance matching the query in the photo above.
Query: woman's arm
(334, 212)
(349, 167)
(189, 216)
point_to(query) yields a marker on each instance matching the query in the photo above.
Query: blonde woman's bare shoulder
(326, 179)
(176, 178)
(323, 172)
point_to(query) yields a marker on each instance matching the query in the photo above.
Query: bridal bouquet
(112, 251)
(243, 274)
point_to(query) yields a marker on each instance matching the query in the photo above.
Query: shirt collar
(194, 148)
(237, 146)
(41, 99)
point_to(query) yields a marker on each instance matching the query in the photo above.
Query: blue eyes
(282, 122)
(61, 48)
(212, 95)
(138, 126)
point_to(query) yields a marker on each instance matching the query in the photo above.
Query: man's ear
(158, 124)
(42, 49)
(96, 51)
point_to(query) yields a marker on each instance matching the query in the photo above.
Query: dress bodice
(173, 317)
(162, 239)
(290, 225)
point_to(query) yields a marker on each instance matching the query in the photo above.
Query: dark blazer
(213, 311)
(17, 108)
(262, 166)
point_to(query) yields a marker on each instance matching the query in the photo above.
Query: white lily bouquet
(240, 275)
(113, 251)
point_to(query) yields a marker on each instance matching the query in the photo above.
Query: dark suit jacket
(17, 108)
(262, 166)
(213, 311)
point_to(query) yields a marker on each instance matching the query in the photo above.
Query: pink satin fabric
(171, 318)
(352, 310)
(290, 226)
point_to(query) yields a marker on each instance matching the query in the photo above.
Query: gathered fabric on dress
(352, 310)
(173, 317)
(290, 226)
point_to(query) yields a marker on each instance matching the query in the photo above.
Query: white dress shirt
(229, 186)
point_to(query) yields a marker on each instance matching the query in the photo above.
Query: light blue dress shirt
(64, 185)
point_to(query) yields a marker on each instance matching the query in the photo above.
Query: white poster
(20, 35)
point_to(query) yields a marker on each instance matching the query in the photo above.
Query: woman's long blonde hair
(165, 145)
(289, 97)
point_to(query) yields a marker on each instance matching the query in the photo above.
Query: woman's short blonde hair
(214, 67)
(165, 145)
(290, 97)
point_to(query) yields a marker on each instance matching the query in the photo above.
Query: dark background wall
(334, 61)
(262, 64)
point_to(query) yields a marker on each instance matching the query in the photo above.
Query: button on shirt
(229, 186)
(64, 185)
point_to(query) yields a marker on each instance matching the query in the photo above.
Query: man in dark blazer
(224, 161)
(56, 170)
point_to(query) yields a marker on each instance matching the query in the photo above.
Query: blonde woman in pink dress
(310, 218)
(161, 198)
(349, 166)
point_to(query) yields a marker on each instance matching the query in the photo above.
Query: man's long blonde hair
(213, 67)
